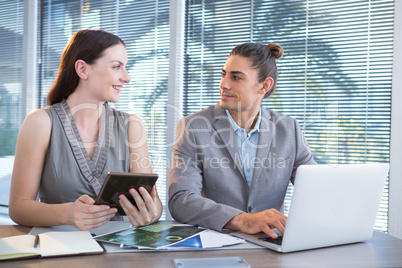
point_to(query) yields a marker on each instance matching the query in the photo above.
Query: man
(233, 161)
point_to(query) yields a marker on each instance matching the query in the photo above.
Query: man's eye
(116, 67)
(236, 77)
(223, 74)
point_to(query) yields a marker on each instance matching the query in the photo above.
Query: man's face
(239, 87)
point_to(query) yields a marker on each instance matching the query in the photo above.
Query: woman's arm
(149, 205)
(32, 145)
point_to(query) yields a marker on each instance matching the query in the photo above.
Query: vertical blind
(11, 33)
(334, 77)
(144, 27)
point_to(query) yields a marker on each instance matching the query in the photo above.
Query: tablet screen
(117, 183)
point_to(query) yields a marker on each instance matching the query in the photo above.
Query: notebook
(331, 205)
(50, 244)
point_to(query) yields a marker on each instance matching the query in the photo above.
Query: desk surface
(381, 251)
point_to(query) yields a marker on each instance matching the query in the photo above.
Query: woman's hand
(85, 215)
(149, 206)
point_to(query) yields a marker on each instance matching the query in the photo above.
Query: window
(144, 27)
(334, 78)
(11, 33)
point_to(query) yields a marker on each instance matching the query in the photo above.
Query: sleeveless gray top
(68, 172)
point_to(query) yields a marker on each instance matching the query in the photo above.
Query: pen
(36, 243)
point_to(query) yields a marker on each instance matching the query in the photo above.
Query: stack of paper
(167, 237)
(151, 237)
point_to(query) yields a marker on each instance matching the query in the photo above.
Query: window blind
(11, 33)
(144, 27)
(334, 77)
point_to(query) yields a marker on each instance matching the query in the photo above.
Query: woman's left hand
(149, 206)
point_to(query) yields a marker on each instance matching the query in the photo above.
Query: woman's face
(108, 74)
(239, 87)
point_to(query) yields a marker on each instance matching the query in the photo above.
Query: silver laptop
(331, 205)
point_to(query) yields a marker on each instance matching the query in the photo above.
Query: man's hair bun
(275, 50)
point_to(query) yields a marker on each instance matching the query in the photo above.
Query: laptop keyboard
(277, 241)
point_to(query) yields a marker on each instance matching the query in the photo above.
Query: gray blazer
(207, 185)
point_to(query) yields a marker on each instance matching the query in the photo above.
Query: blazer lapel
(226, 133)
(267, 128)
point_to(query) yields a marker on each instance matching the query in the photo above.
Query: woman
(65, 150)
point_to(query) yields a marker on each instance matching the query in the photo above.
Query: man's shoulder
(276, 117)
(205, 114)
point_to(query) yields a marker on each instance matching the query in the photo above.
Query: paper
(19, 246)
(115, 248)
(210, 239)
(50, 244)
(111, 226)
(151, 236)
(63, 243)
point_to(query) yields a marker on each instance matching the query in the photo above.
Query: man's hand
(263, 221)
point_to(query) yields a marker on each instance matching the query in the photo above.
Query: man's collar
(236, 126)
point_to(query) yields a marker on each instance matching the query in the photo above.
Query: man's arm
(269, 219)
(303, 154)
(186, 203)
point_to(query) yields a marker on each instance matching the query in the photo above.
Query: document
(208, 239)
(150, 237)
(49, 244)
(110, 227)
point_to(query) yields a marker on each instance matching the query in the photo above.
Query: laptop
(331, 205)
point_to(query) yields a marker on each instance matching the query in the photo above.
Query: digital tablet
(117, 183)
